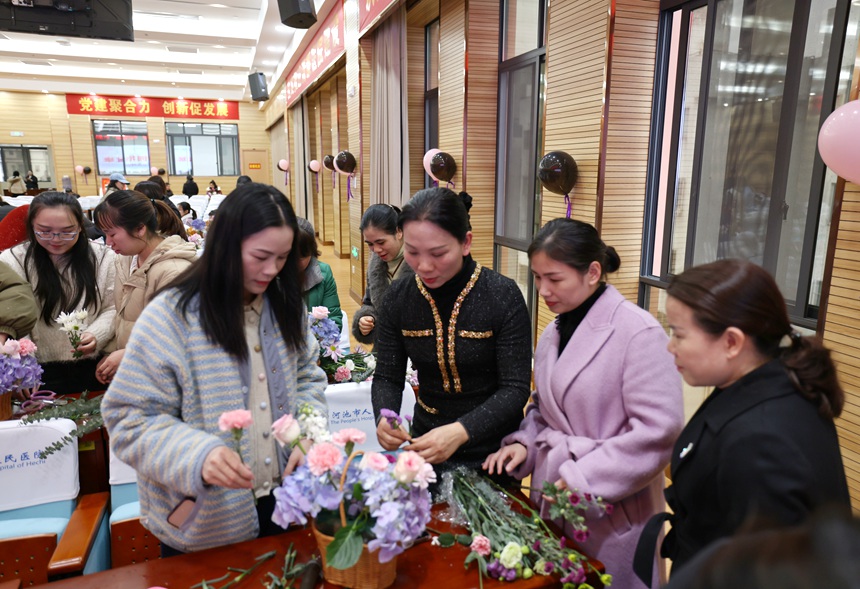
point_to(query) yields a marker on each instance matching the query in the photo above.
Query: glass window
(121, 146)
(431, 90)
(431, 73)
(736, 173)
(203, 149)
(523, 30)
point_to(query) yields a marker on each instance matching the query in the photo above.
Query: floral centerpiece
(196, 230)
(19, 370)
(510, 540)
(339, 367)
(379, 500)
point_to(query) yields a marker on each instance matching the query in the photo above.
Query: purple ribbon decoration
(450, 184)
(567, 202)
(316, 182)
(286, 178)
(349, 187)
(333, 180)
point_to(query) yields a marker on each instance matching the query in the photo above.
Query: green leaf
(357, 492)
(464, 539)
(446, 540)
(345, 549)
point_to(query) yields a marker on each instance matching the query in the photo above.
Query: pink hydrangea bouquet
(19, 368)
(386, 498)
(339, 367)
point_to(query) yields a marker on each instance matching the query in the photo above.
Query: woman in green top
(319, 288)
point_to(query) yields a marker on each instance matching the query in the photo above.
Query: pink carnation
(481, 545)
(409, 464)
(319, 312)
(374, 461)
(425, 476)
(323, 458)
(27, 347)
(348, 434)
(342, 374)
(237, 419)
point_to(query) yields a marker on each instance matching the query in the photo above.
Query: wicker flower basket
(5, 405)
(368, 572)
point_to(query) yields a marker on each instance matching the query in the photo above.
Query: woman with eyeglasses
(67, 273)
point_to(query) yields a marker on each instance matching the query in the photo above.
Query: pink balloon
(428, 157)
(315, 166)
(839, 141)
(284, 165)
(79, 169)
(153, 171)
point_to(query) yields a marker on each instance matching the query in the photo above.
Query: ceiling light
(276, 48)
(137, 95)
(123, 81)
(44, 92)
(155, 42)
(220, 100)
(180, 98)
(181, 49)
(92, 93)
(270, 62)
(173, 83)
(217, 6)
(218, 47)
(111, 63)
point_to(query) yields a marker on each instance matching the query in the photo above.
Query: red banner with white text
(134, 106)
(323, 50)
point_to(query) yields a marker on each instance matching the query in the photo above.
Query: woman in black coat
(763, 445)
(190, 186)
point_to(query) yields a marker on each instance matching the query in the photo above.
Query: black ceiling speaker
(299, 14)
(259, 91)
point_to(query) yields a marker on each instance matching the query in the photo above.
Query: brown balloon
(328, 162)
(443, 166)
(557, 172)
(345, 163)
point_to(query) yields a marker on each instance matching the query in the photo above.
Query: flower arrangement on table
(196, 231)
(381, 500)
(339, 367)
(510, 540)
(19, 369)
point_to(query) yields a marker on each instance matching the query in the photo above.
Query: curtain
(389, 133)
(279, 150)
(299, 175)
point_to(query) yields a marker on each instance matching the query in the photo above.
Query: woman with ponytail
(763, 444)
(607, 405)
(149, 240)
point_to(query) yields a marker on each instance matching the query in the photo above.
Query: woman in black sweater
(468, 333)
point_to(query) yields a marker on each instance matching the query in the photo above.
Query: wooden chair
(130, 542)
(46, 531)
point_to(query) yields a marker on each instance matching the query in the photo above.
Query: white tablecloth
(349, 405)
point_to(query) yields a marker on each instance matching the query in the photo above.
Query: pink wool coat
(604, 417)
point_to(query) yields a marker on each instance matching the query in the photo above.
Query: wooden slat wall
(339, 144)
(576, 61)
(289, 189)
(418, 17)
(358, 93)
(842, 332)
(631, 84)
(452, 81)
(314, 154)
(482, 89)
(339, 244)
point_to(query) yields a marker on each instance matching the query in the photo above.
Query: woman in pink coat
(607, 406)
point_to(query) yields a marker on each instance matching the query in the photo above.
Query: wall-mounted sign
(323, 50)
(255, 166)
(369, 11)
(16, 133)
(132, 106)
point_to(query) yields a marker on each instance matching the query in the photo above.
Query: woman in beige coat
(153, 250)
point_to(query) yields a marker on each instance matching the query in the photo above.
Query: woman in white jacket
(68, 273)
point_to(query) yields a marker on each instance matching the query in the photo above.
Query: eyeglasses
(49, 235)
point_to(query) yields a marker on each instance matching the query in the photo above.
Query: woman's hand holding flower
(223, 467)
(507, 458)
(87, 345)
(437, 445)
(389, 437)
(298, 456)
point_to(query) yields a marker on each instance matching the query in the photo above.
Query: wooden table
(423, 565)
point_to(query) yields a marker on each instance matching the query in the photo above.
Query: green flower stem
(237, 440)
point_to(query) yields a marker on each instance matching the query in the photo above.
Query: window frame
(169, 137)
(122, 133)
(431, 98)
(801, 312)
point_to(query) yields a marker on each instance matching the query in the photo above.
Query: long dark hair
(380, 216)
(218, 276)
(79, 264)
(576, 244)
(186, 206)
(441, 206)
(130, 209)
(737, 293)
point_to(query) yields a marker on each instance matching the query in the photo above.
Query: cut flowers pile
(509, 539)
(196, 230)
(340, 367)
(384, 500)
